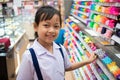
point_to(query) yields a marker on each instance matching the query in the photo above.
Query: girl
(51, 62)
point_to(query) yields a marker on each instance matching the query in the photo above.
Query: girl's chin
(49, 42)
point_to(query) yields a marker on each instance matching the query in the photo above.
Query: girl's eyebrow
(56, 23)
(47, 22)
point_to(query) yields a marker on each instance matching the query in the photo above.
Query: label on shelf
(118, 55)
(115, 38)
(118, 26)
(91, 32)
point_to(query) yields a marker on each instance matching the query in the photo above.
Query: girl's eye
(57, 26)
(46, 25)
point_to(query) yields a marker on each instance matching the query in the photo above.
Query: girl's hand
(92, 58)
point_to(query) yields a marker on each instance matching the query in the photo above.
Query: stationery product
(103, 30)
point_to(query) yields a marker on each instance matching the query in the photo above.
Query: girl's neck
(48, 46)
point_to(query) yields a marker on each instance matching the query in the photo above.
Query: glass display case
(11, 27)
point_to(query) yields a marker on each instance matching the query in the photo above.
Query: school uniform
(51, 65)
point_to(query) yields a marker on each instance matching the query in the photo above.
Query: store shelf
(116, 4)
(82, 6)
(92, 66)
(86, 57)
(80, 69)
(112, 49)
(78, 55)
(105, 70)
(87, 14)
(82, 0)
(77, 75)
(82, 20)
(88, 72)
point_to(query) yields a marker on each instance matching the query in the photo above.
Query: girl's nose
(52, 29)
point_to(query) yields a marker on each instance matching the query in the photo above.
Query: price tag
(118, 25)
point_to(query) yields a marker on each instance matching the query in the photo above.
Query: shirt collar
(39, 49)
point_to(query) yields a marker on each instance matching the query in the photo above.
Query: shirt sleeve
(25, 71)
(67, 62)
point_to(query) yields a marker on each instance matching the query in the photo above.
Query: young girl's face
(48, 30)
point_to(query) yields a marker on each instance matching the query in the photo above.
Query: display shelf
(15, 41)
(4, 1)
(88, 72)
(92, 66)
(82, 51)
(103, 67)
(87, 14)
(101, 37)
(77, 75)
(81, 69)
(82, 6)
(116, 4)
(76, 60)
(10, 60)
(77, 56)
(112, 49)
(82, 0)
(104, 14)
(83, 20)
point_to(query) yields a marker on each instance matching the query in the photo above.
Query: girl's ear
(35, 26)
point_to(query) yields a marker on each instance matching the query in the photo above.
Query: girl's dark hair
(46, 13)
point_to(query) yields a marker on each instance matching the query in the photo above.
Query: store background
(91, 26)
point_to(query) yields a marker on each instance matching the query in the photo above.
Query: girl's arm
(25, 71)
(80, 64)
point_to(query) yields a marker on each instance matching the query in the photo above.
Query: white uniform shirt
(51, 65)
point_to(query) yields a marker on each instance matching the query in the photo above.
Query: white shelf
(75, 20)
(86, 14)
(82, 20)
(82, 0)
(104, 14)
(82, 6)
(116, 4)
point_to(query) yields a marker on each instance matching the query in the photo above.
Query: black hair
(46, 13)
